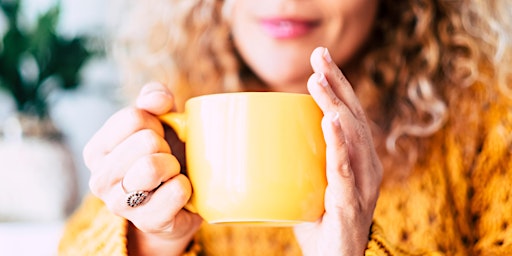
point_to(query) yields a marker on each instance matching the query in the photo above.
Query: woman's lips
(287, 28)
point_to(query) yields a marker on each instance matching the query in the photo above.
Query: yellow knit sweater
(456, 201)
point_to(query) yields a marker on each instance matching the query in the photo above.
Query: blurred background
(57, 87)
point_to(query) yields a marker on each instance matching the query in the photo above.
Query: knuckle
(150, 168)
(360, 134)
(340, 77)
(182, 192)
(339, 144)
(337, 103)
(102, 180)
(96, 186)
(150, 141)
(87, 155)
(180, 195)
(359, 114)
(92, 158)
(135, 118)
(116, 208)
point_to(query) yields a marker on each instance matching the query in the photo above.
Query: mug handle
(178, 123)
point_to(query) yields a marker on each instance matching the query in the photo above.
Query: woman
(416, 92)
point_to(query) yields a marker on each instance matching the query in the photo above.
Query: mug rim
(245, 94)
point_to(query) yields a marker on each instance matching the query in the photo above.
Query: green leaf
(58, 59)
(43, 39)
(10, 9)
(15, 44)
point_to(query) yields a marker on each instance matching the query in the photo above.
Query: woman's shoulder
(485, 105)
(480, 122)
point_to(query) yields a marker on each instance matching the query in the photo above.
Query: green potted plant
(36, 166)
(34, 62)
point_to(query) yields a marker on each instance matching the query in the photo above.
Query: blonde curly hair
(419, 50)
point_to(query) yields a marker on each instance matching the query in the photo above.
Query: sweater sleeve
(380, 246)
(94, 230)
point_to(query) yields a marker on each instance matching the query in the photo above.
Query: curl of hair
(422, 49)
(184, 44)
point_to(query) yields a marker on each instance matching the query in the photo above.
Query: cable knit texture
(456, 201)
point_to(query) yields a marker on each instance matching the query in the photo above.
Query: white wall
(77, 17)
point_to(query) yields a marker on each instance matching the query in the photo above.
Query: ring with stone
(135, 198)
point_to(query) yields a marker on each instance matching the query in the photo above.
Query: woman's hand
(129, 153)
(354, 171)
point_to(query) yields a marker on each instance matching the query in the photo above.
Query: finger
(356, 130)
(321, 62)
(141, 143)
(151, 171)
(356, 133)
(329, 102)
(117, 129)
(162, 205)
(114, 166)
(169, 199)
(341, 189)
(326, 99)
(155, 98)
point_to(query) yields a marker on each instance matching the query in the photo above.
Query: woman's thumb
(155, 98)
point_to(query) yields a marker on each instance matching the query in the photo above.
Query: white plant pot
(37, 172)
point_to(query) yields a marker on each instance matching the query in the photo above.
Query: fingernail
(327, 56)
(322, 80)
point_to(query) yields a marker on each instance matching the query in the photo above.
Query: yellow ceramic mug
(254, 157)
